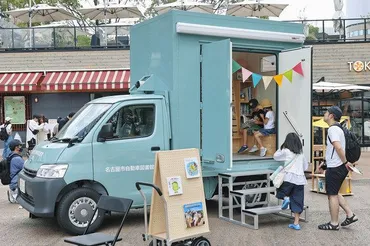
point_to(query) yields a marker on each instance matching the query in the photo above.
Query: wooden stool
(269, 142)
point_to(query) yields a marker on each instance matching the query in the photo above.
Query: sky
(313, 9)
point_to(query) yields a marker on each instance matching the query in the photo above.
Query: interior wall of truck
(244, 139)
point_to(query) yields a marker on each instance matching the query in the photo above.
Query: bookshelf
(241, 94)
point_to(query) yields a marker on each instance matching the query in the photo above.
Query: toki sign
(359, 66)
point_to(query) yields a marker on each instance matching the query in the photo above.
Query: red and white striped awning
(86, 80)
(16, 82)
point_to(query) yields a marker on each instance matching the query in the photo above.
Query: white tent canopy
(257, 8)
(187, 6)
(335, 87)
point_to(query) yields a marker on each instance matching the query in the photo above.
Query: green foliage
(312, 32)
(83, 41)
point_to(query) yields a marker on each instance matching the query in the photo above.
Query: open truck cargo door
(216, 113)
(294, 98)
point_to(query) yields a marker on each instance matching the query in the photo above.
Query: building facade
(55, 83)
(347, 63)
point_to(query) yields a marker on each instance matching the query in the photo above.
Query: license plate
(22, 185)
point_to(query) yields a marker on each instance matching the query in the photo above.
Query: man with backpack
(6, 136)
(342, 150)
(11, 168)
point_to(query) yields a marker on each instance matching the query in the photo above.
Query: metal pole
(105, 25)
(365, 29)
(30, 21)
(29, 14)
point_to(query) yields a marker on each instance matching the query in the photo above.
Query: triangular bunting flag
(246, 74)
(289, 75)
(279, 79)
(298, 68)
(256, 79)
(236, 66)
(266, 81)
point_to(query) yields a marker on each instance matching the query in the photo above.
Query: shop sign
(359, 66)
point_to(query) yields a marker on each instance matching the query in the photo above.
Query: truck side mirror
(106, 132)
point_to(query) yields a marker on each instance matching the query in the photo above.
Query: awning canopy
(17, 82)
(86, 80)
(336, 87)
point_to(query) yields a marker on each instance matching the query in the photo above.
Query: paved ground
(18, 229)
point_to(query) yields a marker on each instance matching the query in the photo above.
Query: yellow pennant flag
(266, 81)
(279, 79)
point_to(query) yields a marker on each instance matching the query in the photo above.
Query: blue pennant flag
(256, 79)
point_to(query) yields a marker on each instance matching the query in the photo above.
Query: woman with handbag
(292, 188)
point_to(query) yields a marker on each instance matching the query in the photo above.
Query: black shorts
(295, 194)
(334, 178)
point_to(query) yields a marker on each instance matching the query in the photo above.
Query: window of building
(355, 33)
(361, 32)
(133, 121)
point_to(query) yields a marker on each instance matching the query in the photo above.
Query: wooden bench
(269, 142)
(256, 212)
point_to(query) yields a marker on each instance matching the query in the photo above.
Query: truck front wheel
(75, 210)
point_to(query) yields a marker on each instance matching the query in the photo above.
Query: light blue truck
(180, 97)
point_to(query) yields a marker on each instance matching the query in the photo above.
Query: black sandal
(349, 221)
(329, 226)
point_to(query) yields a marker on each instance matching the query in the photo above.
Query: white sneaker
(253, 149)
(12, 195)
(263, 152)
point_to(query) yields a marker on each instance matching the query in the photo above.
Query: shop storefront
(346, 64)
(55, 93)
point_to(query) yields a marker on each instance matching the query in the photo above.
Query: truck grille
(27, 198)
(29, 172)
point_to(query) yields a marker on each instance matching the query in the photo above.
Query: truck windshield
(82, 122)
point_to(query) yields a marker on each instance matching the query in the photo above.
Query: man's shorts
(253, 129)
(266, 132)
(334, 178)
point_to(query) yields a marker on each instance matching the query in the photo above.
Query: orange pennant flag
(279, 79)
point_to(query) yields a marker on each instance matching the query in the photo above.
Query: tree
(312, 32)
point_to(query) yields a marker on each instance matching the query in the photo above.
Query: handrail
(73, 37)
(291, 123)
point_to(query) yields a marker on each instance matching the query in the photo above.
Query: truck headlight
(52, 171)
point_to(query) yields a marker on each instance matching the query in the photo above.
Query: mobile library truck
(191, 76)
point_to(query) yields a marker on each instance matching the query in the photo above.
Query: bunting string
(256, 78)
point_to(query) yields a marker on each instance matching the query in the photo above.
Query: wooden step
(253, 191)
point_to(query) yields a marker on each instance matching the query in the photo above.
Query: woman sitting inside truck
(268, 128)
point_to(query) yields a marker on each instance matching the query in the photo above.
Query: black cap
(253, 103)
(14, 143)
(336, 111)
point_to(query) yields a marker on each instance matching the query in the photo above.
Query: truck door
(216, 113)
(128, 156)
(294, 98)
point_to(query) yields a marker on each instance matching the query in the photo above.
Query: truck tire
(76, 208)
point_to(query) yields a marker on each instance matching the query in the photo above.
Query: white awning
(333, 87)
